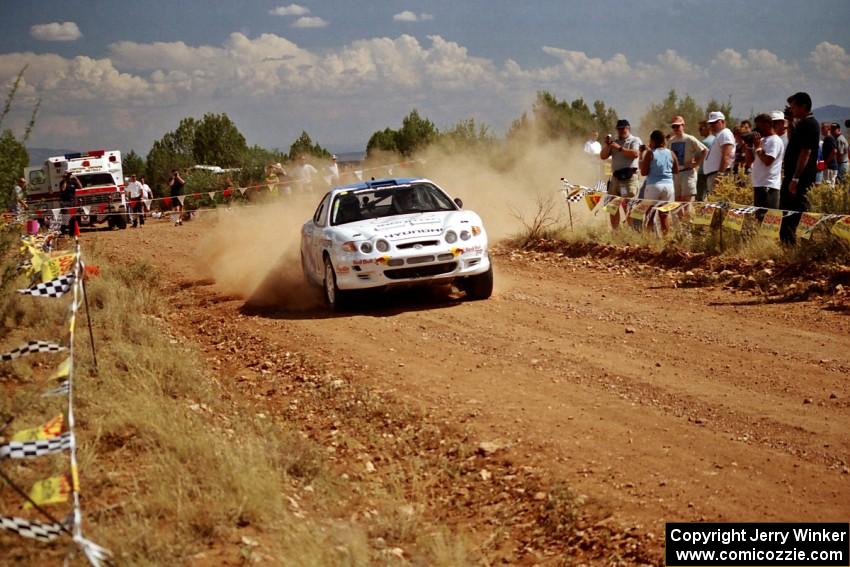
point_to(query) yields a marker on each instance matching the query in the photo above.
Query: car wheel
(110, 222)
(335, 298)
(121, 221)
(479, 286)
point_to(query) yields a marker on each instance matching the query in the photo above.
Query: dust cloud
(254, 251)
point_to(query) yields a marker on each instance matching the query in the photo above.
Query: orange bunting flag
(808, 222)
(47, 431)
(703, 215)
(771, 224)
(841, 228)
(54, 490)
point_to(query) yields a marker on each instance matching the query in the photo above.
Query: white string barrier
(59, 212)
(574, 193)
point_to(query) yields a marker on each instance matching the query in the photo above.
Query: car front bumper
(354, 271)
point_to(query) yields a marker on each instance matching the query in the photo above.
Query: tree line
(214, 139)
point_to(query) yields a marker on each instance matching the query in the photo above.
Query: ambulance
(101, 196)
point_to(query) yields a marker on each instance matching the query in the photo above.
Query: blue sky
(120, 74)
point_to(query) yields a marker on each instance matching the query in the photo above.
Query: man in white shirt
(147, 197)
(690, 154)
(134, 193)
(722, 151)
(333, 168)
(780, 126)
(304, 174)
(765, 159)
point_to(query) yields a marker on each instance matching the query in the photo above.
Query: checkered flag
(53, 288)
(41, 447)
(62, 389)
(31, 347)
(576, 195)
(744, 210)
(30, 529)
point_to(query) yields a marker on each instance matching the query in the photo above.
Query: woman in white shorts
(659, 165)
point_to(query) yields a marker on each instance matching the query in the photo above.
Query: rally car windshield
(352, 206)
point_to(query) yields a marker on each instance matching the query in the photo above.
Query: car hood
(400, 227)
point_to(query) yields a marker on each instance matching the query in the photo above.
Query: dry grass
(172, 468)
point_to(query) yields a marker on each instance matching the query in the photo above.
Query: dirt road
(660, 404)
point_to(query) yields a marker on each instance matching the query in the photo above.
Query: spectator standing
(333, 169)
(780, 126)
(304, 174)
(68, 198)
(841, 153)
(765, 159)
(20, 202)
(624, 153)
(690, 153)
(176, 183)
(707, 141)
(799, 166)
(134, 193)
(147, 197)
(745, 127)
(828, 151)
(721, 153)
(660, 166)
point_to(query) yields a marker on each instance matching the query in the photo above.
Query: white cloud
(309, 22)
(831, 61)
(148, 86)
(291, 10)
(408, 16)
(66, 31)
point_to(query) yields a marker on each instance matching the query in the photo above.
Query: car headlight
(476, 230)
(451, 237)
(349, 246)
(366, 247)
(382, 245)
(464, 235)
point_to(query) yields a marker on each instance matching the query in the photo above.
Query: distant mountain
(832, 113)
(39, 155)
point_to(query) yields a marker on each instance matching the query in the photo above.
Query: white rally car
(390, 232)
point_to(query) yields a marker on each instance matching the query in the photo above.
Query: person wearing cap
(333, 168)
(799, 167)
(764, 158)
(303, 173)
(722, 151)
(20, 203)
(841, 152)
(690, 154)
(624, 153)
(780, 126)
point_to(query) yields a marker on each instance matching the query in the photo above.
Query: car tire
(110, 222)
(121, 221)
(479, 286)
(335, 298)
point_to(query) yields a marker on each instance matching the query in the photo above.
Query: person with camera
(841, 151)
(799, 166)
(764, 158)
(690, 154)
(624, 152)
(176, 183)
(721, 154)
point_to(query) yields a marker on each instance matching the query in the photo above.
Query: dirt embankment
(652, 402)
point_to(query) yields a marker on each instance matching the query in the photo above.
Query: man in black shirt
(68, 199)
(800, 163)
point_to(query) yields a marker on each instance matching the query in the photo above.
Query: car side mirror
(459, 202)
